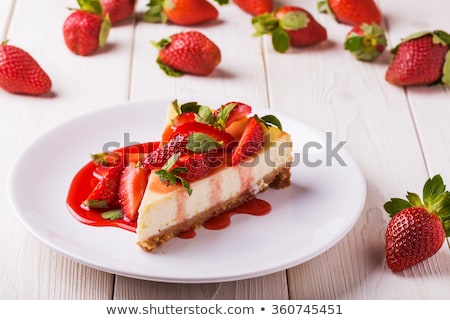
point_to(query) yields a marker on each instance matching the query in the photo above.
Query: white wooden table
(399, 137)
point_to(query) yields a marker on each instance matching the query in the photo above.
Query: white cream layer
(159, 211)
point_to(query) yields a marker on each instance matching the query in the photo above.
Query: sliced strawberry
(183, 118)
(223, 137)
(197, 166)
(231, 112)
(104, 194)
(131, 190)
(158, 157)
(251, 142)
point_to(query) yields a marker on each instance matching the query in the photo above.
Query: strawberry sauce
(84, 181)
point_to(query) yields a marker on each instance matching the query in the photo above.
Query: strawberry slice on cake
(208, 162)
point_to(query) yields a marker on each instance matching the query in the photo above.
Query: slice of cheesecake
(209, 161)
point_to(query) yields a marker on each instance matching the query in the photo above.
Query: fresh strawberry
(255, 7)
(133, 182)
(104, 194)
(86, 29)
(181, 12)
(118, 10)
(418, 228)
(421, 59)
(188, 52)
(204, 129)
(231, 112)
(251, 142)
(366, 41)
(183, 118)
(352, 12)
(289, 26)
(20, 72)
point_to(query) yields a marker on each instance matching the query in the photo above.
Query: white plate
(309, 217)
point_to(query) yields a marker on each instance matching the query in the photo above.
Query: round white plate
(314, 213)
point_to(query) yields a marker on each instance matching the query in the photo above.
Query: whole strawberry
(420, 59)
(417, 229)
(255, 7)
(86, 29)
(118, 10)
(289, 26)
(181, 12)
(188, 52)
(20, 73)
(366, 42)
(352, 12)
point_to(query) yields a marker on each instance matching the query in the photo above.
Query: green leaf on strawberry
(435, 199)
(93, 6)
(270, 120)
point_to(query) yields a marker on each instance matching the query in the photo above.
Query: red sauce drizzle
(84, 181)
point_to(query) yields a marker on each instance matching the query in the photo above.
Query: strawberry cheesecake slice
(209, 161)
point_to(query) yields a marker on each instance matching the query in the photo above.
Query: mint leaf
(112, 214)
(205, 115)
(199, 143)
(396, 205)
(224, 113)
(190, 107)
(271, 120)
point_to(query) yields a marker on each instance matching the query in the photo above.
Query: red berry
(118, 10)
(181, 12)
(188, 52)
(86, 30)
(133, 182)
(353, 12)
(420, 60)
(418, 227)
(255, 7)
(412, 236)
(20, 72)
(251, 142)
(366, 41)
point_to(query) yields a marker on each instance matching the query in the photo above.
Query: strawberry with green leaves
(21, 73)
(86, 29)
(418, 227)
(352, 12)
(255, 7)
(118, 10)
(188, 52)
(421, 59)
(181, 12)
(289, 26)
(366, 41)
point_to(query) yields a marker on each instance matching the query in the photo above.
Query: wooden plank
(327, 87)
(80, 84)
(239, 77)
(5, 15)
